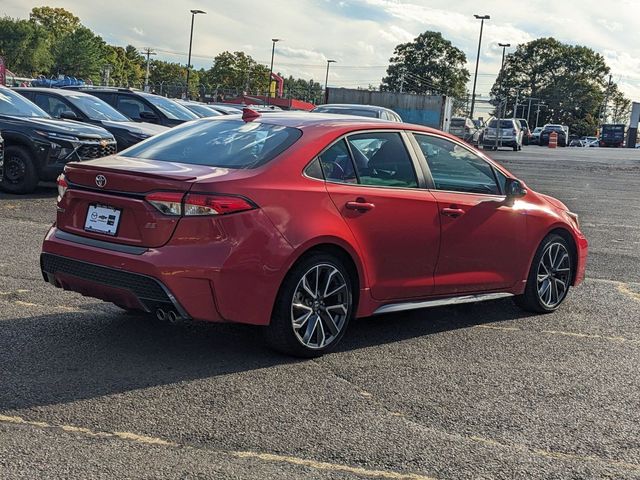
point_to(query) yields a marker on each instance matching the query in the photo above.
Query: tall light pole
(193, 14)
(504, 47)
(326, 81)
(273, 52)
(482, 18)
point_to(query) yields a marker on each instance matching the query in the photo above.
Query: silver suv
(508, 135)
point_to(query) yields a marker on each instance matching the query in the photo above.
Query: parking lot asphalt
(473, 391)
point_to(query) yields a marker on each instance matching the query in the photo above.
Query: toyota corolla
(301, 222)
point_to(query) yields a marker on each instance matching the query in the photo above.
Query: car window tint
(454, 168)
(132, 107)
(337, 165)
(52, 105)
(382, 159)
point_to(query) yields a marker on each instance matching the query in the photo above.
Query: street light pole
(500, 104)
(482, 18)
(273, 52)
(193, 14)
(326, 81)
(504, 47)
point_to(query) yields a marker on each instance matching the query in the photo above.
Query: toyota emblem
(101, 180)
(104, 143)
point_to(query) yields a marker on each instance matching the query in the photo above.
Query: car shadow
(44, 190)
(61, 358)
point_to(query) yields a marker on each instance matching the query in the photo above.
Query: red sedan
(300, 222)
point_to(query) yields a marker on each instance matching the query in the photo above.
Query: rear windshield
(218, 143)
(359, 112)
(503, 123)
(613, 128)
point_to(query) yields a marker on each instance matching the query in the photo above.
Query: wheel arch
(566, 234)
(15, 139)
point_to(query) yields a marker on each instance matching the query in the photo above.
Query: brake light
(62, 186)
(169, 203)
(202, 204)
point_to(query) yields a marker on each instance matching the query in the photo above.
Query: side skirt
(399, 307)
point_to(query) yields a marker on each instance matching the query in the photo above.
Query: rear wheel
(549, 278)
(20, 174)
(313, 308)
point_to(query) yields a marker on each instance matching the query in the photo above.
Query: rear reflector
(201, 204)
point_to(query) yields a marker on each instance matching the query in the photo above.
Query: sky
(359, 34)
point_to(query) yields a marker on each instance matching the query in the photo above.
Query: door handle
(452, 212)
(360, 205)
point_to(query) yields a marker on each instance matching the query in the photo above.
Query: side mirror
(68, 115)
(515, 189)
(146, 115)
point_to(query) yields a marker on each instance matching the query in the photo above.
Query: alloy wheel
(320, 306)
(554, 274)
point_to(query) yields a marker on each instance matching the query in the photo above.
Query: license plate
(102, 219)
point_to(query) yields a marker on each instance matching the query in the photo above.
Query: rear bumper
(216, 277)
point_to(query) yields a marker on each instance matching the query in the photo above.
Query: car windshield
(202, 110)
(360, 112)
(96, 109)
(171, 109)
(503, 124)
(218, 143)
(14, 104)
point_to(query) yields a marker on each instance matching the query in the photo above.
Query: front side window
(454, 168)
(381, 159)
(52, 105)
(171, 109)
(96, 108)
(218, 143)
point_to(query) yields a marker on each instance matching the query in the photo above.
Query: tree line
(53, 41)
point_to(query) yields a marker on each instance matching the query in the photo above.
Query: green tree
(619, 107)
(570, 79)
(428, 64)
(308, 90)
(24, 46)
(81, 54)
(237, 71)
(58, 22)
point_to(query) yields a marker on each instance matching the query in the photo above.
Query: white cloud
(359, 33)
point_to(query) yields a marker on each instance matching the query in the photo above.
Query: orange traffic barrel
(553, 140)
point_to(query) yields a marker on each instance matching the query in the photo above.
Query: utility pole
(515, 107)
(538, 112)
(606, 101)
(482, 18)
(148, 52)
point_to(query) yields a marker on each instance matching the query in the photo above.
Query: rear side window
(337, 165)
(218, 143)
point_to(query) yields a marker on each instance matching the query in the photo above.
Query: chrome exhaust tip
(161, 315)
(172, 316)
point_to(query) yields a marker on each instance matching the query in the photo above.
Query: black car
(141, 106)
(37, 146)
(79, 106)
(546, 131)
(1, 158)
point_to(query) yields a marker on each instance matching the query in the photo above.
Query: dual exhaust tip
(167, 315)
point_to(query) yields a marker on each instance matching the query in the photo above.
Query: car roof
(354, 105)
(57, 91)
(304, 120)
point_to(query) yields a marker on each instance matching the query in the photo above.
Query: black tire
(280, 334)
(531, 300)
(515, 147)
(20, 173)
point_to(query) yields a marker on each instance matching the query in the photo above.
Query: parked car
(612, 135)
(37, 146)
(142, 106)
(576, 142)
(526, 131)
(226, 108)
(334, 206)
(202, 110)
(535, 135)
(508, 135)
(85, 108)
(371, 111)
(559, 129)
(591, 142)
(1, 158)
(465, 129)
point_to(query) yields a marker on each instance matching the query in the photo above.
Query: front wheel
(313, 307)
(549, 277)
(20, 174)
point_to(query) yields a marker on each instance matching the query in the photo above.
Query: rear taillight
(169, 203)
(202, 204)
(195, 204)
(62, 186)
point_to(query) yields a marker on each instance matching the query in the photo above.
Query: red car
(301, 222)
